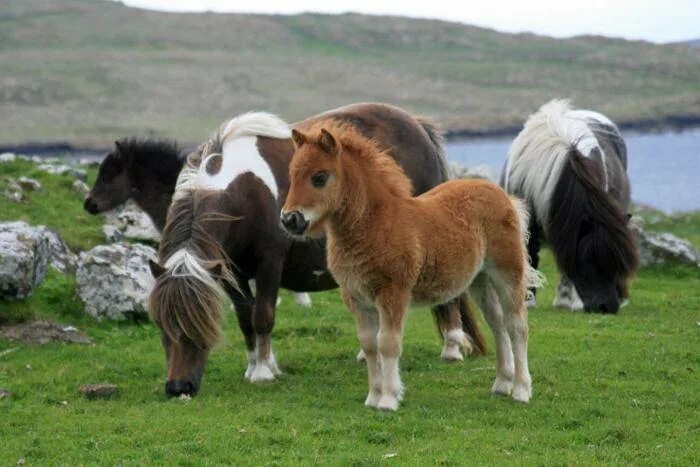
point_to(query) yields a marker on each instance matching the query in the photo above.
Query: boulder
(29, 184)
(62, 169)
(129, 221)
(662, 247)
(24, 255)
(7, 157)
(62, 258)
(11, 190)
(80, 187)
(114, 281)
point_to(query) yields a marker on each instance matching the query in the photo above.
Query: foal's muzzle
(294, 222)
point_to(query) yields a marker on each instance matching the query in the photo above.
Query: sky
(653, 20)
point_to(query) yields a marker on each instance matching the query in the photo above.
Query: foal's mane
(368, 153)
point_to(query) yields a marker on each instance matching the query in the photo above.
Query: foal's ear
(156, 269)
(328, 143)
(298, 138)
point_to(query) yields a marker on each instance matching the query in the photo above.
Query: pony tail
(534, 279)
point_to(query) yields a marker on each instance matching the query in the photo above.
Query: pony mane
(369, 152)
(252, 124)
(159, 156)
(187, 299)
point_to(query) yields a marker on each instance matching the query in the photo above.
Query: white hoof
(302, 299)
(522, 393)
(361, 356)
(373, 399)
(251, 365)
(451, 353)
(262, 374)
(502, 386)
(272, 363)
(388, 402)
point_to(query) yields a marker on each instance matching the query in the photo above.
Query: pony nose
(177, 388)
(294, 222)
(606, 306)
(90, 206)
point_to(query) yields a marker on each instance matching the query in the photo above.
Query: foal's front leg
(392, 305)
(367, 322)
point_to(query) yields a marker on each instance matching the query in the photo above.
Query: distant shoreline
(674, 123)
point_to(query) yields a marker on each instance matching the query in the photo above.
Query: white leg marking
(361, 356)
(251, 365)
(392, 389)
(455, 339)
(265, 367)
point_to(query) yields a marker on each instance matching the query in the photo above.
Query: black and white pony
(571, 168)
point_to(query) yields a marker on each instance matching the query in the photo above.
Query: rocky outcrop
(662, 247)
(24, 256)
(62, 169)
(129, 221)
(114, 281)
(62, 258)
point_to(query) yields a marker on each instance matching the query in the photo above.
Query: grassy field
(607, 389)
(88, 71)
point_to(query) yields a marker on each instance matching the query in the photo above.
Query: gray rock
(43, 332)
(12, 190)
(80, 187)
(24, 256)
(62, 169)
(129, 221)
(62, 258)
(29, 184)
(662, 247)
(5, 394)
(480, 171)
(7, 157)
(114, 281)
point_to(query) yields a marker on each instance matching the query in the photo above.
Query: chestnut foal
(386, 248)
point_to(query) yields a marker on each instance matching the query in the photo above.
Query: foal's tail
(533, 278)
(470, 326)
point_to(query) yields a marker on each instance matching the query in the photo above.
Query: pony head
(113, 186)
(314, 182)
(590, 237)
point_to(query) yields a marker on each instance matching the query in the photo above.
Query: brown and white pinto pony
(570, 166)
(387, 249)
(223, 229)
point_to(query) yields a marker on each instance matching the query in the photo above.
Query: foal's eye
(319, 179)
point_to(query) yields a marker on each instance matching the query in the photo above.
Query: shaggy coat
(387, 249)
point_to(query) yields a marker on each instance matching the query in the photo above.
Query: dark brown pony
(144, 170)
(387, 249)
(570, 166)
(223, 230)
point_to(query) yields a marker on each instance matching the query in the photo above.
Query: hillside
(88, 71)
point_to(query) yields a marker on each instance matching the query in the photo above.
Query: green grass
(607, 389)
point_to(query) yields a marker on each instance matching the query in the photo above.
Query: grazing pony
(570, 167)
(145, 170)
(387, 248)
(223, 229)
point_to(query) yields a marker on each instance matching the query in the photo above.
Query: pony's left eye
(319, 179)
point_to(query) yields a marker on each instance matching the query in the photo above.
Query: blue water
(664, 168)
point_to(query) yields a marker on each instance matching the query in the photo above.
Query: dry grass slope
(89, 71)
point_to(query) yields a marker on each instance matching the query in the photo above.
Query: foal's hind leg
(515, 317)
(367, 322)
(485, 296)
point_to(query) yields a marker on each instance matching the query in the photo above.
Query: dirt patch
(43, 332)
(99, 391)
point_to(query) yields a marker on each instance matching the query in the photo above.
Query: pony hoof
(389, 403)
(249, 371)
(522, 393)
(451, 353)
(502, 387)
(303, 300)
(361, 357)
(262, 374)
(373, 399)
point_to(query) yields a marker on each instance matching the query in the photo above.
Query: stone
(662, 247)
(42, 332)
(5, 394)
(80, 187)
(62, 169)
(114, 281)
(459, 171)
(129, 221)
(24, 256)
(7, 157)
(29, 184)
(62, 258)
(99, 391)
